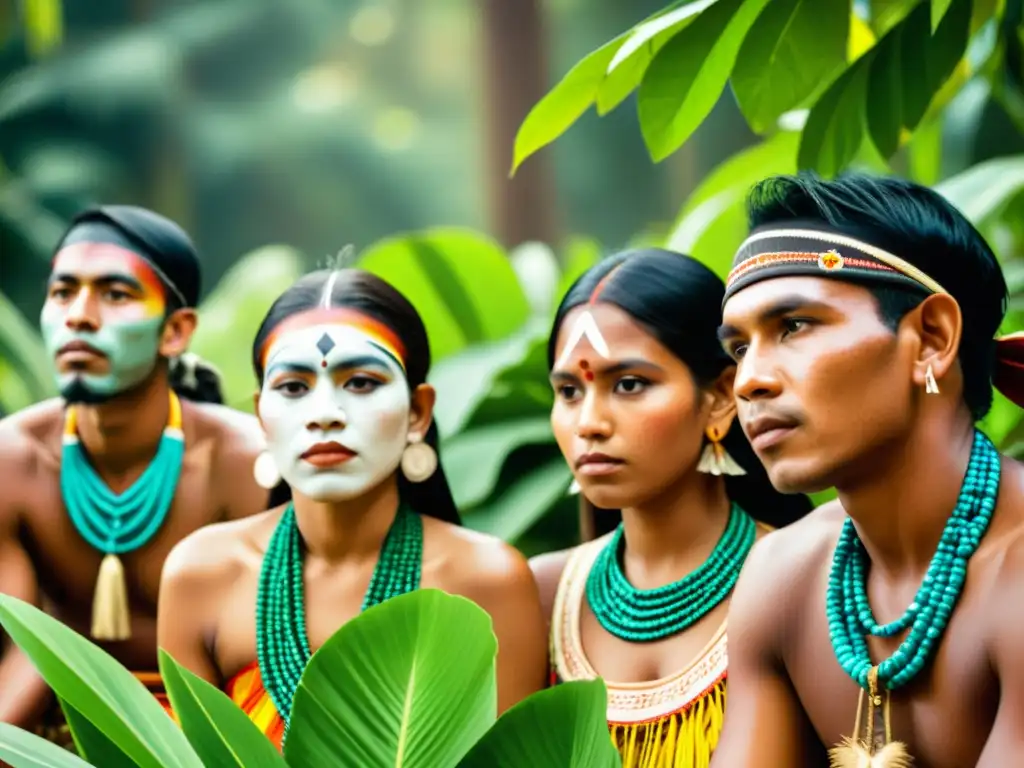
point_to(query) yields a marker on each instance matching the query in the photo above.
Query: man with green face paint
(137, 453)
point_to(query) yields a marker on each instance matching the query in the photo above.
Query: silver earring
(574, 488)
(265, 471)
(931, 386)
(419, 460)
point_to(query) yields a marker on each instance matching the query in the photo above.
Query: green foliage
(863, 84)
(410, 683)
(25, 376)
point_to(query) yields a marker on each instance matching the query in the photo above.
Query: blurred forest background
(278, 133)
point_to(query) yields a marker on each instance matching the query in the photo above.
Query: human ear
(421, 412)
(177, 332)
(937, 324)
(721, 401)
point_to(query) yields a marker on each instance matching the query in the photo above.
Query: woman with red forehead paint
(342, 360)
(644, 415)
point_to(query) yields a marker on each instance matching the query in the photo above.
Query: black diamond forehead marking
(325, 345)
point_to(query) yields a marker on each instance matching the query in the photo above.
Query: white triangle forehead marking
(584, 327)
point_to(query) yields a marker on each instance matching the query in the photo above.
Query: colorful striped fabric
(247, 691)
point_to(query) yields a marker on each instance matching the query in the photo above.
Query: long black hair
(678, 301)
(368, 294)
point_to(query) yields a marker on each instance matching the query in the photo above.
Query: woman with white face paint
(342, 360)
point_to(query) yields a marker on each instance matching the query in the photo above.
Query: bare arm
(1006, 741)
(189, 588)
(547, 571)
(764, 722)
(508, 592)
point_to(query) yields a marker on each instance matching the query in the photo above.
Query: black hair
(922, 228)
(365, 292)
(678, 300)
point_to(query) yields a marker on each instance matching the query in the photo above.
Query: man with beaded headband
(135, 454)
(342, 361)
(644, 415)
(882, 630)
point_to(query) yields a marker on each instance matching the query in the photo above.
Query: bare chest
(944, 716)
(67, 565)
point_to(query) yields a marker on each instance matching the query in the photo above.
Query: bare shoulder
(547, 571)
(30, 443)
(781, 568)
(475, 564)
(234, 432)
(213, 557)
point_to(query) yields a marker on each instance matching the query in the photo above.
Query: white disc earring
(265, 471)
(419, 460)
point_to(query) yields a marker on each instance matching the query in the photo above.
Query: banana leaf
(22, 749)
(410, 683)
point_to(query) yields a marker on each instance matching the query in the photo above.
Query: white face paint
(359, 400)
(585, 327)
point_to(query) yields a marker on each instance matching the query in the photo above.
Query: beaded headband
(783, 252)
(382, 337)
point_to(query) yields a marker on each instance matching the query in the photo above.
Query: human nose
(327, 414)
(594, 422)
(756, 376)
(81, 312)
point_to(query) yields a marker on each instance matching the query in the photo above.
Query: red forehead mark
(323, 363)
(602, 283)
(584, 364)
(588, 375)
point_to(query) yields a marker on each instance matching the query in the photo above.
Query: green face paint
(131, 349)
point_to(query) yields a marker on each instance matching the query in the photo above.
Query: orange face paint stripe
(338, 316)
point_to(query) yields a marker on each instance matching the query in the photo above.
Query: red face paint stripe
(338, 316)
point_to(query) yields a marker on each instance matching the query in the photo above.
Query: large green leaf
(91, 681)
(688, 75)
(232, 313)
(21, 749)
(465, 379)
(939, 8)
(581, 253)
(409, 683)
(92, 744)
(520, 391)
(886, 14)
(25, 358)
(631, 60)
(565, 103)
(560, 727)
(777, 69)
(460, 282)
(518, 508)
(713, 222)
(984, 189)
(473, 459)
(220, 732)
(909, 67)
(835, 127)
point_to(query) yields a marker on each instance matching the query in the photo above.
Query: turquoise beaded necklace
(850, 617)
(282, 646)
(118, 523)
(645, 615)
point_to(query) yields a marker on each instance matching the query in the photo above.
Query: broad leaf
(924, 154)
(473, 459)
(909, 67)
(835, 128)
(232, 313)
(713, 222)
(688, 75)
(92, 682)
(460, 282)
(776, 69)
(520, 506)
(984, 189)
(219, 731)
(581, 254)
(560, 727)
(565, 103)
(92, 744)
(409, 683)
(463, 380)
(21, 749)
(886, 14)
(938, 12)
(21, 348)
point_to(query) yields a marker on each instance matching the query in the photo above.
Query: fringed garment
(674, 722)
(247, 691)
(54, 726)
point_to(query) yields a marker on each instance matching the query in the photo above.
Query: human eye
(60, 292)
(794, 324)
(567, 392)
(631, 385)
(291, 387)
(117, 295)
(363, 384)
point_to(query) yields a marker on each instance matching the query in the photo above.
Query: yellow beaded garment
(673, 722)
